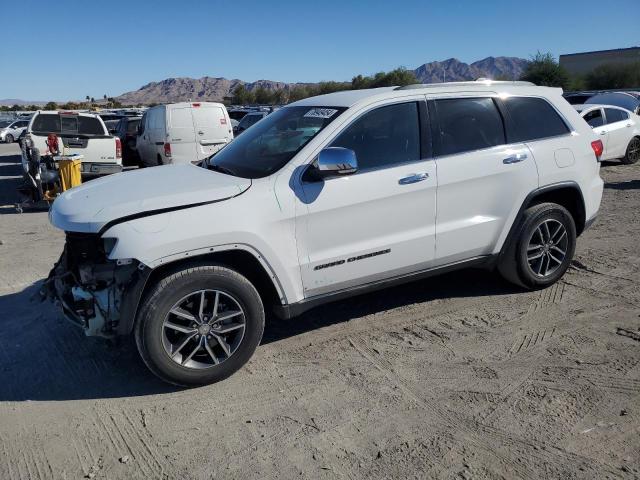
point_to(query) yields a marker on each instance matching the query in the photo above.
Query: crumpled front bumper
(88, 288)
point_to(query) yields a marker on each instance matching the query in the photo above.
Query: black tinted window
(534, 118)
(70, 124)
(594, 118)
(132, 126)
(90, 126)
(468, 124)
(47, 123)
(385, 136)
(614, 115)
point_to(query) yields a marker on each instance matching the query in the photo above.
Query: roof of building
(600, 51)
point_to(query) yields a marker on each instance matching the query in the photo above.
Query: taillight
(167, 149)
(118, 148)
(598, 148)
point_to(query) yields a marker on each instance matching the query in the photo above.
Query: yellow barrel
(70, 173)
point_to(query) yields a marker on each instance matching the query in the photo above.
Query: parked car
(78, 133)
(111, 120)
(183, 132)
(248, 120)
(127, 131)
(12, 131)
(237, 113)
(627, 100)
(328, 197)
(619, 130)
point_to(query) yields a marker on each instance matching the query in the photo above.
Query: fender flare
(527, 201)
(136, 287)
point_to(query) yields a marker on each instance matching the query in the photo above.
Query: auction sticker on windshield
(321, 112)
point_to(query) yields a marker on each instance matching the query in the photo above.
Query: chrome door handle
(413, 178)
(518, 157)
(603, 133)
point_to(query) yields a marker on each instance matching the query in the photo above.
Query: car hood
(91, 206)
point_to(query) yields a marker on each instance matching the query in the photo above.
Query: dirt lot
(460, 376)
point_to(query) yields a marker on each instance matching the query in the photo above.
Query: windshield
(270, 144)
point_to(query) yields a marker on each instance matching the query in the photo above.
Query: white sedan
(10, 131)
(619, 130)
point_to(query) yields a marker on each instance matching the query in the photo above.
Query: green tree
(51, 106)
(263, 96)
(242, 96)
(543, 69)
(614, 76)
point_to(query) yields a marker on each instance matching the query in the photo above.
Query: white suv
(328, 197)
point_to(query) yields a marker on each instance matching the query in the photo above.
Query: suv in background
(127, 131)
(248, 120)
(78, 133)
(12, 130)
(328, 197)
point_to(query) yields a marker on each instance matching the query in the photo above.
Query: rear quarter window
(615, 115)
(533, 119)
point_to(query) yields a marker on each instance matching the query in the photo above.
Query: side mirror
(336, 161)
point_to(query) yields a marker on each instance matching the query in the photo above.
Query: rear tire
(542, 248)
(8, 138)
(213, 334)
(632, 154)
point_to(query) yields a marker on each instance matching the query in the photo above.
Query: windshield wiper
(221, 169)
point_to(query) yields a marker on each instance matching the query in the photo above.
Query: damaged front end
(95, 293)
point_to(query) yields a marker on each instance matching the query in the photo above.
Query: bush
(543, 70)
(614, 76)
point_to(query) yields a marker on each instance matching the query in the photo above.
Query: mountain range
(217, 88)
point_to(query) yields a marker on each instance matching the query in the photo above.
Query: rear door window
(615, 115)
(534, 119)
(384, 137)
(594, 118)
(208, 117)
(468, 124)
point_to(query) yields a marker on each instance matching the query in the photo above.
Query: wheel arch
(242, 259)
(568, 194)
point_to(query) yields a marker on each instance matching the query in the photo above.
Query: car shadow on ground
(43, 357)
(627, 185)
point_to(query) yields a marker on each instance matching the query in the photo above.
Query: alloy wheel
(203, 329)
(547, 247)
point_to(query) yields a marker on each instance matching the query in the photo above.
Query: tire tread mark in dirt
(549, 296)
(531, 340)
(8, 457)
(470, 435)
(145, 468)
(153, 454)
(81, 462)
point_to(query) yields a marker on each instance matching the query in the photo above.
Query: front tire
(542, 248)
(199, 325)
(632, 155)
(8, 138)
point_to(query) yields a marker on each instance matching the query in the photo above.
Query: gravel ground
(460, 376)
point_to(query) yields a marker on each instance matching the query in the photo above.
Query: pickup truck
(78, 133)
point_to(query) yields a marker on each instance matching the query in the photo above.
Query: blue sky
(68, 49)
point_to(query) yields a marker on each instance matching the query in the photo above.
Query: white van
(183, 132)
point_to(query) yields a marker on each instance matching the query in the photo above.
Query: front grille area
(83, 248)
